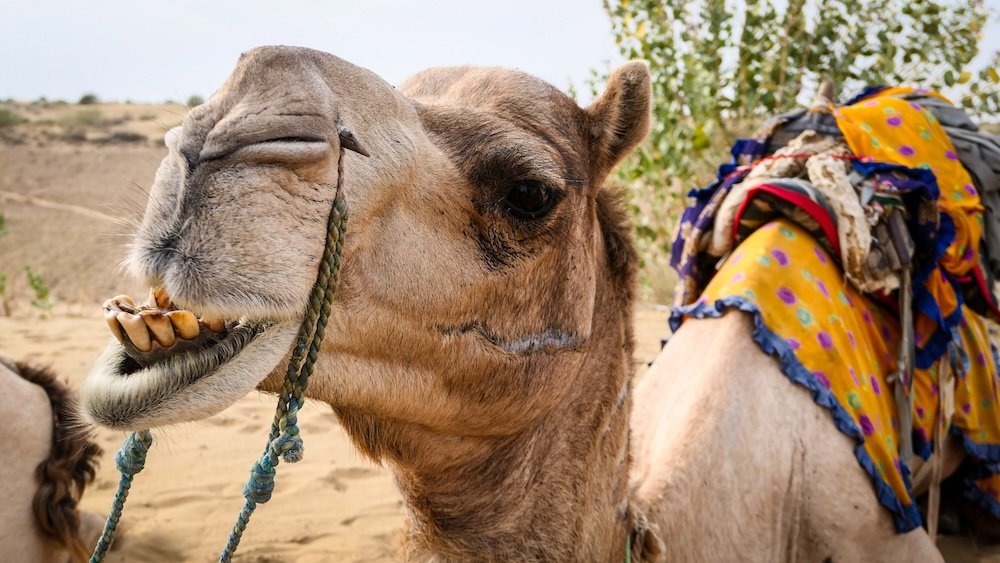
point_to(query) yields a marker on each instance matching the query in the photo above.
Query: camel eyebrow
(501, 166)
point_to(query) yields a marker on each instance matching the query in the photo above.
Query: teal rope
(284, 440)
(130, 459)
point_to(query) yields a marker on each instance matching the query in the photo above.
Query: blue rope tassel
(130, 459)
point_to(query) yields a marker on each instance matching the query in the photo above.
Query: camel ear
(619, 119)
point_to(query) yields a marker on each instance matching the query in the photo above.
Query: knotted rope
(129, 460)
(284, 440)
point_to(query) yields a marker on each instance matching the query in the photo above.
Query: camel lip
(186, 386)
(208, 356)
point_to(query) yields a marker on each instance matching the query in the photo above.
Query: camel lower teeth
(158, 322)
(216, 324)
(184, 323)
(136, 330)
(116, 329)
(118, 299)
(160, 326)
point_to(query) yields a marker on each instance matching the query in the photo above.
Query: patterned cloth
(842, 346)
(886, 128)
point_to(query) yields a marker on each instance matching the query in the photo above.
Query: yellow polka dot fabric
(842, 346)
(887, 128)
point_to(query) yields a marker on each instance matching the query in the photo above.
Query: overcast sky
(152, 51)
(129, 50)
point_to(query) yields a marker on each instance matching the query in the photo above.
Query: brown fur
(70, 467)
(484, 356)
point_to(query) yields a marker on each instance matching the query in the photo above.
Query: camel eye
(528, 199)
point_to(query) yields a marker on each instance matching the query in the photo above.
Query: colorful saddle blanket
(842, 346)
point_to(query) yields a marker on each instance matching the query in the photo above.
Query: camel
(48, 461)
(480, 343)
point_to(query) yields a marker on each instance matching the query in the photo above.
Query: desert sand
(70, 187)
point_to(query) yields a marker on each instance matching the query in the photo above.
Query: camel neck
(556, 492)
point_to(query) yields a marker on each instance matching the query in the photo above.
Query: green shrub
(87, 118)
(43, 300)
(9, 118)
(195, 100)
(720, 67)
(89, 99)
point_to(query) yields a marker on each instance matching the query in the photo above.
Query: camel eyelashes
(529, 199)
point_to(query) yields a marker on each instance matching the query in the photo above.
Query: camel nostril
(168, 242)
(191, 158)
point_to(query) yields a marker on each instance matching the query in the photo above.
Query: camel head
(482, 256)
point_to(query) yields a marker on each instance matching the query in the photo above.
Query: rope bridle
(284, 440)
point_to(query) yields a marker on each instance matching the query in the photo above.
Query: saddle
(901, 189)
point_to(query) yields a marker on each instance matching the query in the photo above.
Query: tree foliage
(721, 66)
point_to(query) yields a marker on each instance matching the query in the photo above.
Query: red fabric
(812, 208)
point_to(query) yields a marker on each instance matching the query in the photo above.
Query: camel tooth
(116, 329)
(216, 324)
(185, 323)
(159, 298)
(160, 326)
(136, 331)
(125, 303)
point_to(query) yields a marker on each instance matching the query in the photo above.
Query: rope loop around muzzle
(284, 440)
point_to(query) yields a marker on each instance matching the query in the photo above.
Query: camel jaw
(139, 385)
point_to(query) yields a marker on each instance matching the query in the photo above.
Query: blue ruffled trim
(867, 92)
(923, 302)
(989, 454)
(921, 447)
(906, 517)
(937, 344)
(979, 496)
